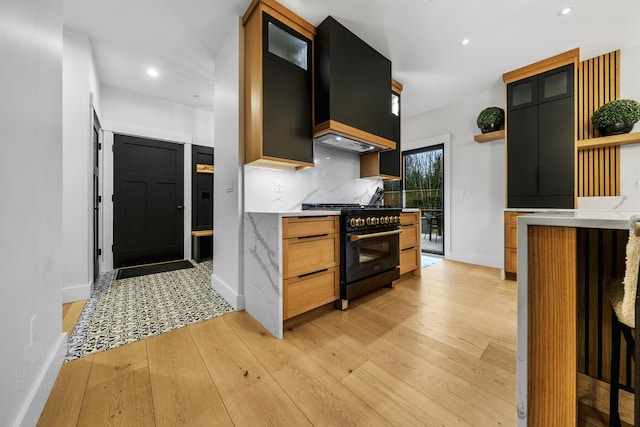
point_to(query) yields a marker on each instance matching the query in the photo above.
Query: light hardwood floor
(438, 350)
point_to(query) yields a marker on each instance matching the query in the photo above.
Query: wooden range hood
(352, 106)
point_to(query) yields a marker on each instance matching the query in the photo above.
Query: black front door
(148, 224)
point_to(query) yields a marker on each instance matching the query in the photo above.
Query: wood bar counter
(549, 263)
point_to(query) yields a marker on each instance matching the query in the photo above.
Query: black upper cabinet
(390, 160)
(287, 88)
(352, 81)
(278, 87)
(540, 138)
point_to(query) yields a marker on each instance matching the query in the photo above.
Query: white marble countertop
(536, 210)
(316, 212)
(583, 218)
(309, 212)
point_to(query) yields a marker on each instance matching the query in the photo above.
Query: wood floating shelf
(607, 141)
(202, 168)
(490, 136)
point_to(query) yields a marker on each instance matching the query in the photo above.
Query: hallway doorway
(422, 186)
(424, 189)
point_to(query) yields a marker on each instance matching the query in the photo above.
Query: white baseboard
(76, 293)
(225, 291)
(39, 394)
(476, 259)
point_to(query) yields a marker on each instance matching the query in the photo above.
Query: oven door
(368, 254)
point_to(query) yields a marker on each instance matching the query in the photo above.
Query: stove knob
(396, 219)
(353, 222)
(370, 220)
(377, 220)
(385, 220)
(360, 221)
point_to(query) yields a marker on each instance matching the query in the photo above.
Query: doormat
(126, 273)
(123, 311)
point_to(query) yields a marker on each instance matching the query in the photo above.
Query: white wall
(630, 89)
(31, 208)
(228, 209)
(477, 175)
(121, 108)
(140, 115)
(79, 80)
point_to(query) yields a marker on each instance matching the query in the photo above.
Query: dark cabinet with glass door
(541, 140)
(386, 164)
(278, 87)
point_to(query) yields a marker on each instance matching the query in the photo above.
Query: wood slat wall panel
(600, 257)
(598, 168)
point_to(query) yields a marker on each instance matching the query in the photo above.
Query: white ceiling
(421, 37)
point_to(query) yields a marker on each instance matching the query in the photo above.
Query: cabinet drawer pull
(310, 237)
(315, 272)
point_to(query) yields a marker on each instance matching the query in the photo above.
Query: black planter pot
(616, 129)
(492, 127)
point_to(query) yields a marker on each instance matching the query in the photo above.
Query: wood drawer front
(511, 218)
(409, 236)
(409, 260)
(309, 226)
(510, 236)
(511, 260)
(308, 292)
(308, 255)
(408, 218)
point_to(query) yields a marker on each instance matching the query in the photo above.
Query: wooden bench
(198, 240)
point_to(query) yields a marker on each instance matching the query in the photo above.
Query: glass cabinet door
(556, 83)
(287, 46)
(522, 93)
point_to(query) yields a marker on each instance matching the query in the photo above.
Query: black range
(370, 247)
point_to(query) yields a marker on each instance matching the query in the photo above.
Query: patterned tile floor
(123, 311)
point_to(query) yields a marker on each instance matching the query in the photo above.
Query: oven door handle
(356, 237)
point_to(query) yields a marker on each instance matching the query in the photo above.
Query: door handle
(356, 237)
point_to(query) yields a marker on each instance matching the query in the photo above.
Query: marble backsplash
(334, 179)
(629, 202)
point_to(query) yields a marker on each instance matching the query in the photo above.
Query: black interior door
(148, 224)
(96, 198)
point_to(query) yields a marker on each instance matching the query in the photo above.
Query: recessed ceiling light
(152, 72)
(338, 138)
(566, 11)
(196, 96)
(465, 41)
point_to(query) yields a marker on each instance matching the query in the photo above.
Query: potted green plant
(616, 117)
(490, 119)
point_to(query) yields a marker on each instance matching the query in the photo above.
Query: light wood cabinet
(310, 263)
(511, 244)
(410, 251)
(305, 293)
